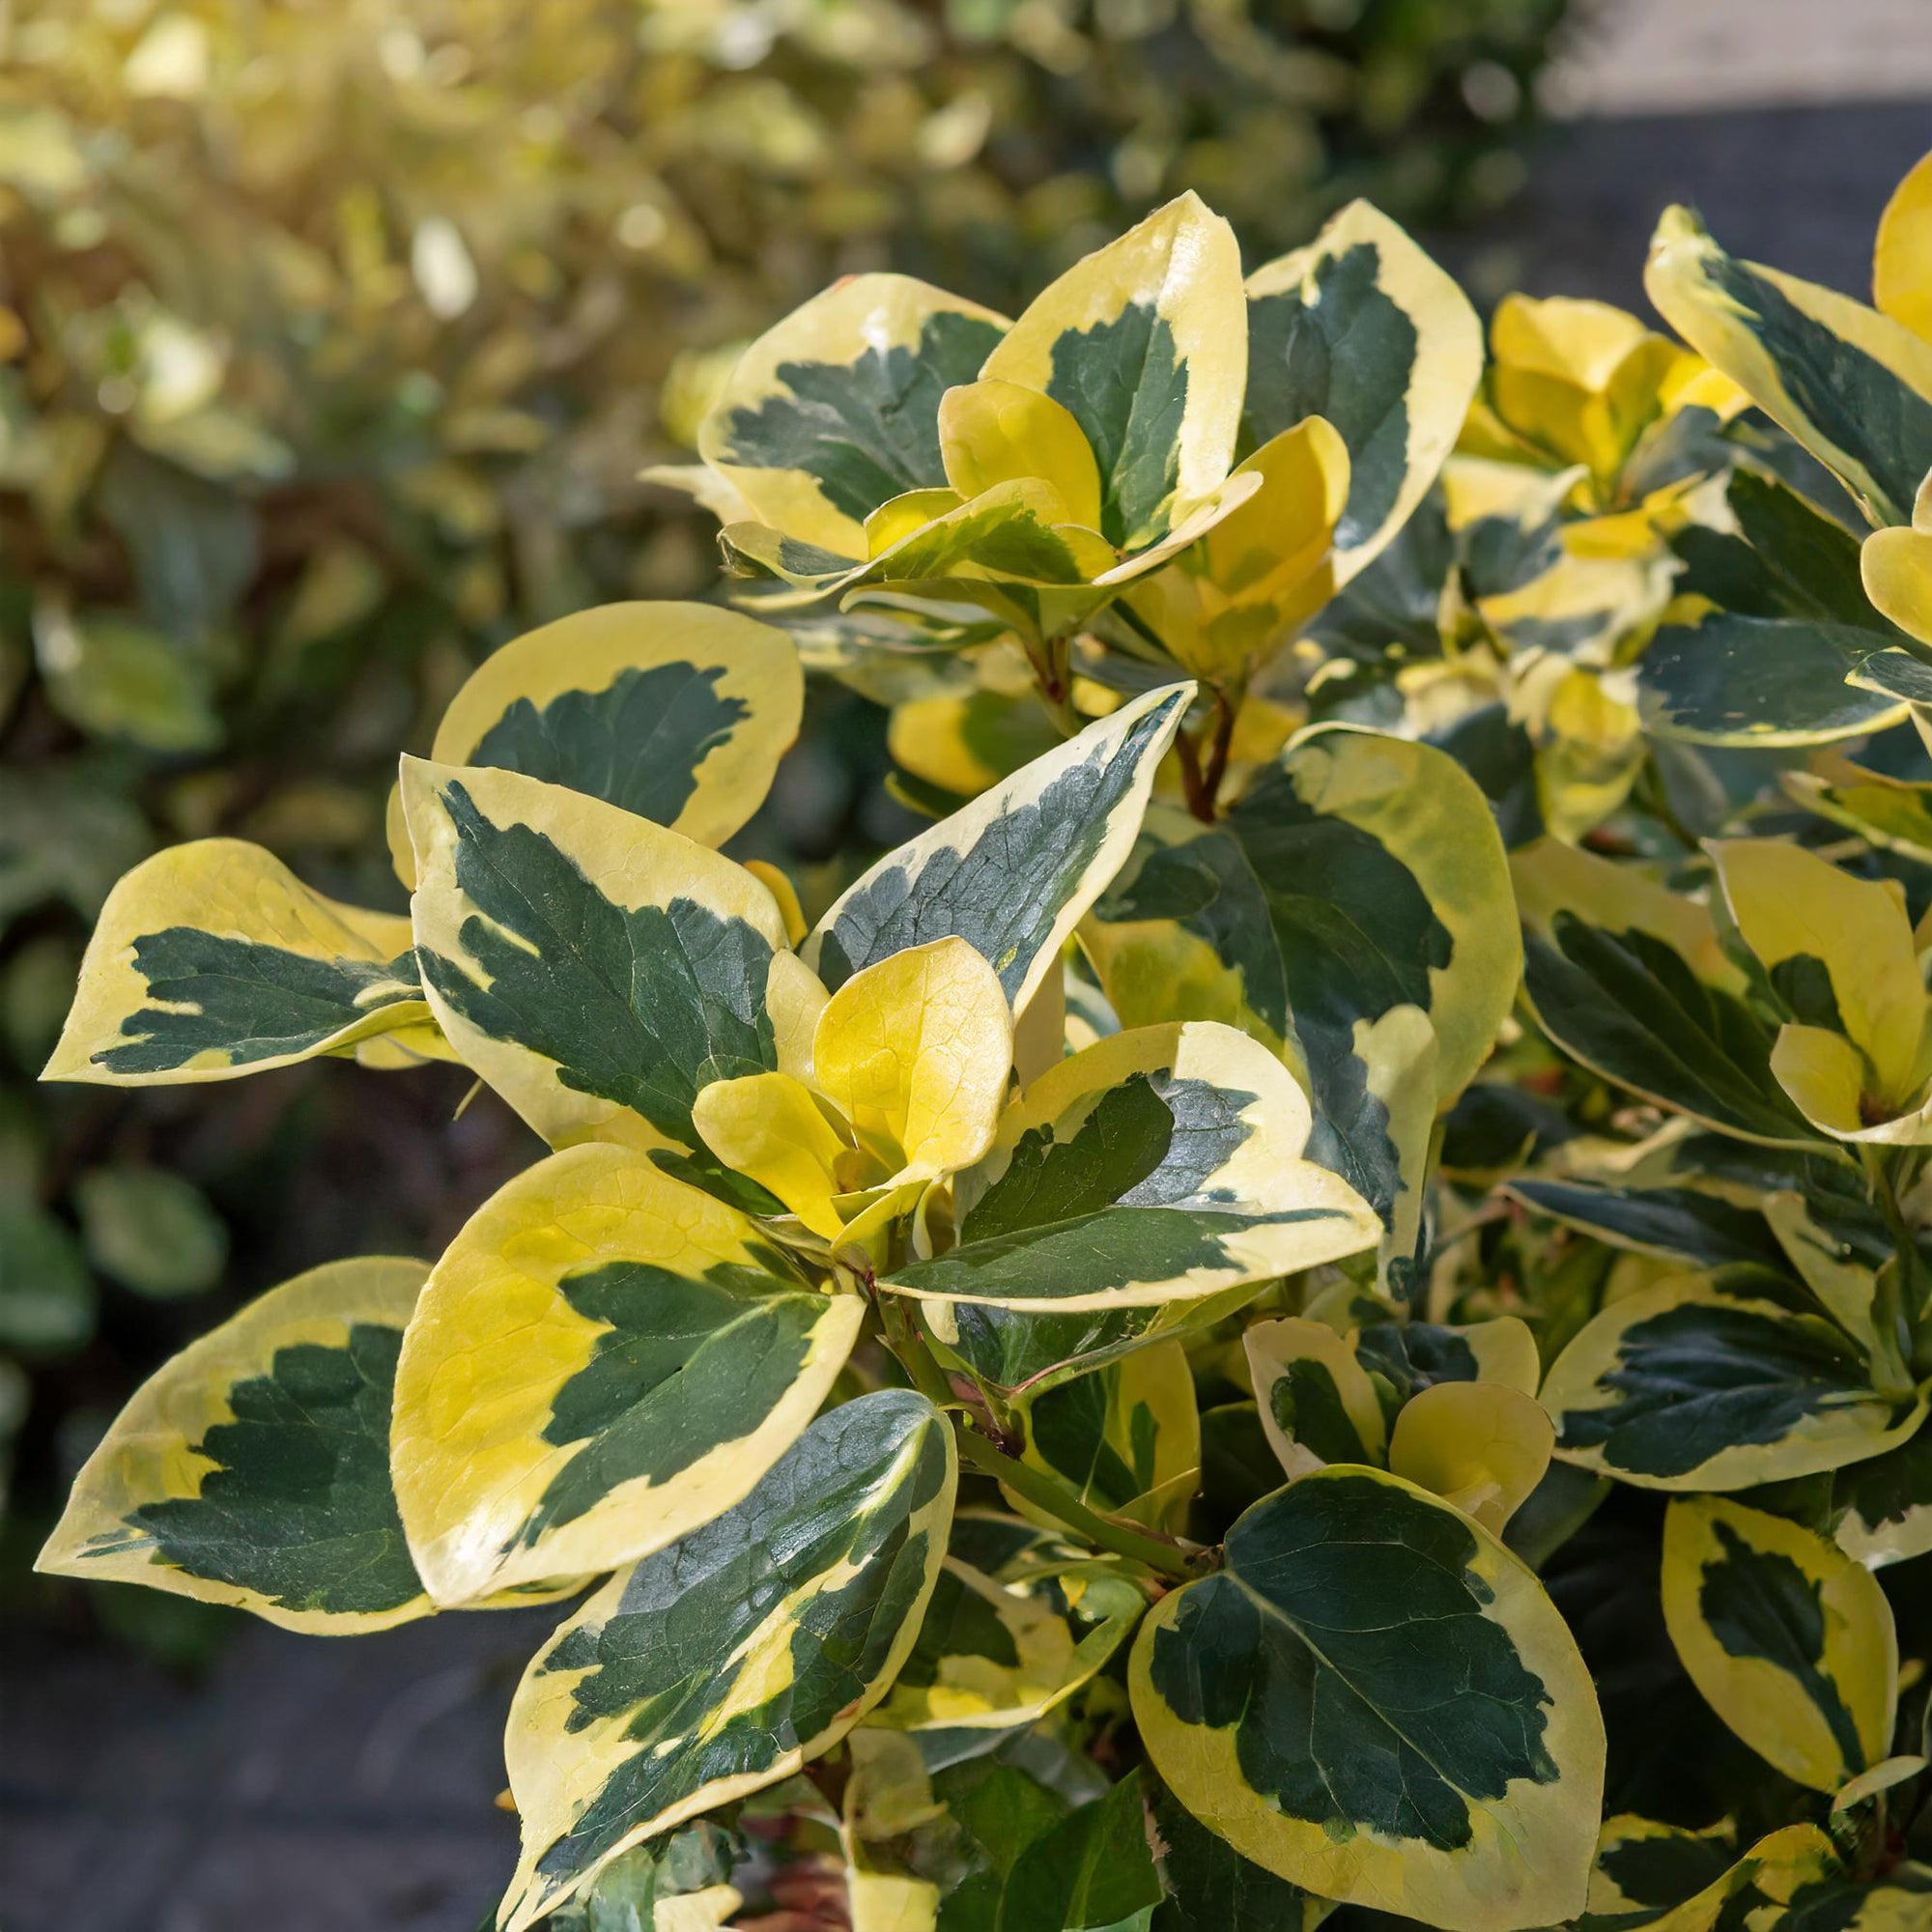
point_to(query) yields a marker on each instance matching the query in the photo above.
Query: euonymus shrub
(1062, 1398)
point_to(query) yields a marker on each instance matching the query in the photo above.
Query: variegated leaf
(254, 1468)
(1012, 872)
(1361, 328)
(602, 1360)
(1124, 1438)
(1755, 1892)
(596, 969)
(212, 959)
(1774, 633)
(1789, 1640)
(1352, 912)
(994, 1655)
(1840, 953)
(677, 712)
(1014, 1350)
(1159, 1165)
(1317, 1402)
(835, 410)
(1893, 814)
(1879, 1510)
(1853, 387)
(723, 1662)
(1412, 1356)
(1285, 1699)
(1629, 978)
(1679, 1386)
(1143, 343)
(1388, 895)
(1674, 1223)
(1644, 1868)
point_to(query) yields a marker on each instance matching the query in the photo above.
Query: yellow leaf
(995, 431)
(915, 1052)
(1480, 1446)
(769, 1126)
(1250, 583)
(1902, 260)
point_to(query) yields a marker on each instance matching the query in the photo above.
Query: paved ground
(1800, 188)
(308, 1785)
(315, 1786)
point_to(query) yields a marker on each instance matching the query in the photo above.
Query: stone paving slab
(307, 1785)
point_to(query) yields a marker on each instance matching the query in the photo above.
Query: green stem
(908, 1345)
(1895, 1294)
(1044, 1492)
(1049, 1493)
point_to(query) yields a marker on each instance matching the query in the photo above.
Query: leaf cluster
(1215, 1337)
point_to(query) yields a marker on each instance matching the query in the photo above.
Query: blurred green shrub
(332, 341)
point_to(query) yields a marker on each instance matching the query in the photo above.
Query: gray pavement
(305, 1785)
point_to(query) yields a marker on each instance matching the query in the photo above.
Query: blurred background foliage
(333, 338)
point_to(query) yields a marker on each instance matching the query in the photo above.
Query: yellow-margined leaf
(1411, 810)
(721, 1664)
(835, 410)
(1841, 951)
(253, 1469)
(1143, 342)
(212, 959)
(1789, 1640)
(1015, 1350)
(1125, 1438)
(1680, 1386)
(1361, 328)
(1881, 1509)
(993, 1655)
(1012, 872)
(677, 712)
(1317, 1402)
(1629, 978)
(1159, 1165)
(1353, 912)
(596, 969)
(1644, 1866)
(603, 1359)
(1853, 387)
(1278, 1699)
